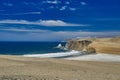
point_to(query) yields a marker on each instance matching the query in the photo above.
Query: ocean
(34, 49)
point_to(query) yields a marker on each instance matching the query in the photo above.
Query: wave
(55, 55)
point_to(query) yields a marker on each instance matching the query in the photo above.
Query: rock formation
(95, 45)
(59, 46)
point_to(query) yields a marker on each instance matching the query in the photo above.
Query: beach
(29, 68)
(59, 39)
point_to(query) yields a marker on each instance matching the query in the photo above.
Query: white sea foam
(53, 55)
(97, 57)
(77, 55)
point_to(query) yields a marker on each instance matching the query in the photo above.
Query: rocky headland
(109, 45)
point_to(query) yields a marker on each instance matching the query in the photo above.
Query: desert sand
(26, 68)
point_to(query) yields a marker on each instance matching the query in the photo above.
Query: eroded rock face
(80, 46)
(96, 45)
(89, 49)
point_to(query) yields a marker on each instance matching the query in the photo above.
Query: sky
(58, 20)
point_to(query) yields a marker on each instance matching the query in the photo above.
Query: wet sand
(23, 68)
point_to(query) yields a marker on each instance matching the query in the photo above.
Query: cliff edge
(95, 45)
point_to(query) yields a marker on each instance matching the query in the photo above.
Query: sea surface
(35, 49)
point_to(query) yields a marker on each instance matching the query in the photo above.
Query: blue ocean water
(24, 48)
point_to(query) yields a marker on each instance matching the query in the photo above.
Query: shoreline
(98, 57)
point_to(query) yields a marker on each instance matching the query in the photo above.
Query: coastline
(72, 55)
(18, 67)
(107, 45)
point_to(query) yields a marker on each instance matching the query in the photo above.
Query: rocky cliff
(95, 45)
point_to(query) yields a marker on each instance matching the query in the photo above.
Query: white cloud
(52, 2)
(23, 13)
(8, 4)
(67, 2)
(66, 7)
(29, 3)
(51, 23)
(24, 30)
(74, 34)
(63, 8)
(72, 9)
(83, 3)
(29, 13)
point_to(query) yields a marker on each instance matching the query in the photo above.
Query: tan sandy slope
(96, 45)
(21, 68)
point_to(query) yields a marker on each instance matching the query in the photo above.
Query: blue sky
(57, 20)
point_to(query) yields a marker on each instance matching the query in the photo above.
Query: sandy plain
(25, 68)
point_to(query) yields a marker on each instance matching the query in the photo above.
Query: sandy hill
(96, 45)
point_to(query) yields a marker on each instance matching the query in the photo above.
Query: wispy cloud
(30, 3)
(83, 3)
(63, 8)
(24, 30)
(51, 23)
(47, 35)
(51, 2)
(25, 13)
(8, 4)
(67, 8)
(87, 33)
(67, 2)
(64, 33)
(72, 9)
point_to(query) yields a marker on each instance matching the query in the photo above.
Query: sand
(23, 68)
